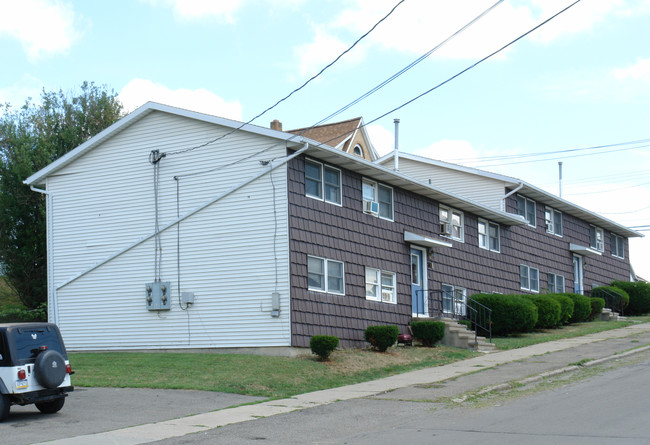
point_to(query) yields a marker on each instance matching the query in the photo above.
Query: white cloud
(639, 71)
(383, 140)
(196, 9)
(456, 151)
(43, 27)
(322, 50)
(139, 91)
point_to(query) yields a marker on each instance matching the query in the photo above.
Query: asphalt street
(373, 411)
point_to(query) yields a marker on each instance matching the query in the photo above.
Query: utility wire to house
(295, 90)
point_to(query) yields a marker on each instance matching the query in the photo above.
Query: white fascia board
(425, 241)
(38, 178)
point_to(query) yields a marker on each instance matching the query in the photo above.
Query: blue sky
(582, 80)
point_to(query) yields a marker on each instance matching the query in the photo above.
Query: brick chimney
(276, 125)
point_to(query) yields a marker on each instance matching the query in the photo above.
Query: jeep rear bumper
(43, 395)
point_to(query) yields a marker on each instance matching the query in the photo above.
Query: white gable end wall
(486, 191)
(232, 254)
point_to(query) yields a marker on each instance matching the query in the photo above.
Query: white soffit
(424, 241)
(583, 250)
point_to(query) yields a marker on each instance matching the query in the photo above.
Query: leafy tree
(31, 137)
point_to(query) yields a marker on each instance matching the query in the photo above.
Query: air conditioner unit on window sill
(445, 228)
(371, 207)
(386, 296)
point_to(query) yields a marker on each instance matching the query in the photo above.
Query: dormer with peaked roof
(349, 136)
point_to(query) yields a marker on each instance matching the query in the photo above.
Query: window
(322, 180)
(618, 246)
(553, 221)
(555, 284)
(325, 275)
(526, 208)
(529, 278)
(488, 235)
(380, 285)
(596, 238)
(451, 223)
(377, 199)
(454, 299)
(358, 150)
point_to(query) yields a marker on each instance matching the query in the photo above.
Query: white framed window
(452, 223)
(488, 235)
(596, 238)
(526, 208)
(357, 150)
(377, 199)
(529, 278)
(325, 275)
(380, 286)
(618, 246)
(454, 299)
(322, 182)
(553, 221)
(555, 283)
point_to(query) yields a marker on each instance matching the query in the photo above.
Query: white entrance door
(578, 274)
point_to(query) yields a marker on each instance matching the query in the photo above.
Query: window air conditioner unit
(386, 296)
(370, 207)
(445, 228)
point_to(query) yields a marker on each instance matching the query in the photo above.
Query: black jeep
(34, 367)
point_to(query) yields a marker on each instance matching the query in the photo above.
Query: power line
(295, 90)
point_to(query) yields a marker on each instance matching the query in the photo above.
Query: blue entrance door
(417, 281)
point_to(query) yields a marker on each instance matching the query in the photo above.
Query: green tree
(31, 137)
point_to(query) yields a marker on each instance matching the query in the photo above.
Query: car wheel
(50, 407)
(5, 404)
(49, 369)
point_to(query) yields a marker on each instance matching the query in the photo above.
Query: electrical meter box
(158, 296)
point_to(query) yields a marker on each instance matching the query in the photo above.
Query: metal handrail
(613, 300)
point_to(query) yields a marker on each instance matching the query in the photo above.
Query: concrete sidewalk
(498, 368)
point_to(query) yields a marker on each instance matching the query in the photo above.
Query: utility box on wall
(158, 296)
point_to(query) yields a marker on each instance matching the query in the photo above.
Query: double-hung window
(325, 275)
(451, 223)
(322, 182)
(596, 238)
(526, 208)
(553, 221)
(380, 285)
(529, 278)
(618, 246)
(488, 235)
(377, 199)
(555, 283)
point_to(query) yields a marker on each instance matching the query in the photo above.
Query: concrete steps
(458, 336)
(609, 315)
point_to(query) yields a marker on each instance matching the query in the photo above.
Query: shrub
(615, 298)
(639, 293)
(566, 307)
(22, 314)
(548, 311)
(581, 308)
(597, 305)
(510, 313)
(381, 337)
(428, 332)
(323, 345)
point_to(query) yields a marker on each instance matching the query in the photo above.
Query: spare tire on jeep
(49, 369)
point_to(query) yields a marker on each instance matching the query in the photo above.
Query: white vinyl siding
(103, 213)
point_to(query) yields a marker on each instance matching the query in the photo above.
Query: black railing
(613, 300)
(445, 304)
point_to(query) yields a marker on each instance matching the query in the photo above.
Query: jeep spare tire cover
(49, 369)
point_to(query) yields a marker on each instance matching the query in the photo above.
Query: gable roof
(38, 178)
(528, 190)
(338, 134)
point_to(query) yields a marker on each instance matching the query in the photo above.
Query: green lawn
(278, 377)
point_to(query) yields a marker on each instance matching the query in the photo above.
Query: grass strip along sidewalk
(280, 377)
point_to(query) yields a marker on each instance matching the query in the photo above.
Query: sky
(576, 90)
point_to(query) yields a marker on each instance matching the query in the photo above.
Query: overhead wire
(295, 90)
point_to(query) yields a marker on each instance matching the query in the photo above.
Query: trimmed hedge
(597, 305)
(566, 307)
(510, 313)
(615, 298)
(381, 337)
(428, 332)
(548, 309)
(639, 293)
(323, 345)
(581, 308)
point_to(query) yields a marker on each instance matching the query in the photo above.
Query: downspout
(53, 303)
(508, 195)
